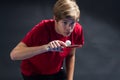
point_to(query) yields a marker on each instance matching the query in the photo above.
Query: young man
(43, 49)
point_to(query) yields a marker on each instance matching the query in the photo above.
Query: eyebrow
(68, 20)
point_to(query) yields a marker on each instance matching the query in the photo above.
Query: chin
(66, 35)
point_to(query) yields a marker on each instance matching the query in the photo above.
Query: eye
(65, 23)
(72, 23)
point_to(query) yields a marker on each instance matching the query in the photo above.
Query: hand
(56, 45)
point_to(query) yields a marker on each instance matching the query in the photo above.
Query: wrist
(47, 47)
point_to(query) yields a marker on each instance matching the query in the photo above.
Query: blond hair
(66, 9)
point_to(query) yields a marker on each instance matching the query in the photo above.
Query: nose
(68, 27)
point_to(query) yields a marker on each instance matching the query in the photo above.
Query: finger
(54, 43)
(51, 45)
(62, 43)
(57, 43)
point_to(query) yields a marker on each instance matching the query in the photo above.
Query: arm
(22, 51)
(70, 62)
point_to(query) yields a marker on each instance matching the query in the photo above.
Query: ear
(55, 19)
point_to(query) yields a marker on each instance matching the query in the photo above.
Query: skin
(64, 27)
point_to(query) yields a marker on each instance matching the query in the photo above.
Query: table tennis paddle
(73, 46)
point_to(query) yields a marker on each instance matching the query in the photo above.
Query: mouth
(67, 33)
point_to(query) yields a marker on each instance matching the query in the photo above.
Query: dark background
(99, 59)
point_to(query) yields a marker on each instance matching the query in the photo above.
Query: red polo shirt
(49, 62)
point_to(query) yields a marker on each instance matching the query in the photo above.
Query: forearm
(70, 62)
(27, 52)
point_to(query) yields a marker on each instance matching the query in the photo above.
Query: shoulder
(78, 28)
(45, 22)
(77, 35)
(43, 25)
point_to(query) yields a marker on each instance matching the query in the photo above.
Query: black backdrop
(99, 57)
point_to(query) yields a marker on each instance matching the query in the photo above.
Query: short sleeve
(78, 35)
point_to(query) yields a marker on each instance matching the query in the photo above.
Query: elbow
(13, 56)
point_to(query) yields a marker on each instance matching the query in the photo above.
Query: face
(65, 26)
